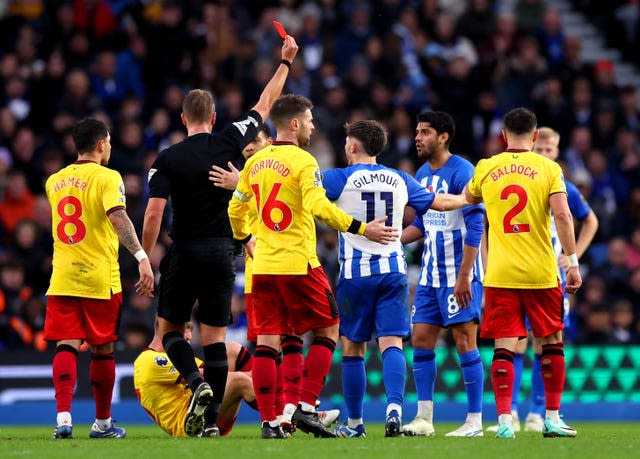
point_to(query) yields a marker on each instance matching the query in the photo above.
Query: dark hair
(198, 106)
(287, 107)
(370, 133)
(86, 134)
(266, 129)
(440, 121)
(520, 121)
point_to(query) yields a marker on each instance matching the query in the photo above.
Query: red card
(280, 29)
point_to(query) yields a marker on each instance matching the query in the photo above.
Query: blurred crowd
(129, 63)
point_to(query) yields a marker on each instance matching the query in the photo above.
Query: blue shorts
(437, 306)
(375, 301)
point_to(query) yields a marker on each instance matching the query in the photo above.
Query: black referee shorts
(200, 270)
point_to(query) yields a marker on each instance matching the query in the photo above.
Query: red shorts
(251, 320)
(95, 321)
(505, 310)
(293, 304)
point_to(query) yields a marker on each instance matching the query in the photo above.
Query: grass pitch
(601, 440)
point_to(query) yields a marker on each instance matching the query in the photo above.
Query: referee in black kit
(199, 263)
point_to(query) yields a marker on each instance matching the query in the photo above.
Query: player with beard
(290, 287)
(449, 291)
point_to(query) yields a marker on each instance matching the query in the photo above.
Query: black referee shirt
(181, 172)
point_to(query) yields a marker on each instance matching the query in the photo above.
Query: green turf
(609, 441)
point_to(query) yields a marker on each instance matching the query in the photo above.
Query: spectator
(622, 323)
(27, 251)
(633, 250)
(629, 107)
(477, 22)
(597, 329)
(552, 37)
(17, 202)
(615, 270)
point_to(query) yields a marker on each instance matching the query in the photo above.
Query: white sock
(63, 418)
(274, 423)
(394, 406)
(474, 418)
(353, 423)
(307, 408)
(505, 419)
(103, 424)
(425, 409)
(553, 415)
(288, 410)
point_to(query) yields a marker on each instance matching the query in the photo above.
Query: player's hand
(462, 290)
(223, 178)
(574, 279)
(289, 48)
(145, 285)
(250, 247)
(377, 231)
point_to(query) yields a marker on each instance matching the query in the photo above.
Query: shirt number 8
(73, 218)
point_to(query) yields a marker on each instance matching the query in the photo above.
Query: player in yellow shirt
(84, 297)
(289, 285)
(519, 189)
(290, 362)
(165, 395)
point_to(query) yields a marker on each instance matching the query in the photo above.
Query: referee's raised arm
(274, 87)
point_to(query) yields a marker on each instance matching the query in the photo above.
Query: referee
(199, 263)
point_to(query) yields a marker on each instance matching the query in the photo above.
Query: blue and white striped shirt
(366, 192)
(446, 233)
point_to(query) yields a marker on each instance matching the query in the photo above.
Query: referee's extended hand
(289, 48)
(377, 231)
(574, 279)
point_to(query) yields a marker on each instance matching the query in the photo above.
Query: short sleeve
(475, 184)
(556, 179)
(241, 133)
(158, 178)
(577, 203)
(113, 195)
(419, 198)
(333, 181)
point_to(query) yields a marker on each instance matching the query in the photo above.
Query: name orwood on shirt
(375, 177)
(270, 163)
(514, 169)
(75, 182)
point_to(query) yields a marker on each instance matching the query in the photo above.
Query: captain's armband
(241, 196)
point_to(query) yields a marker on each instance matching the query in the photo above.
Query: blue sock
(473, 375)
(537, 387)
(394, 374)
(354, 384)
(518, 362)
(424, 372)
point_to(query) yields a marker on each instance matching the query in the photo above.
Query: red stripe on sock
(502, 376)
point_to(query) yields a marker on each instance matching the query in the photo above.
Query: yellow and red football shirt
(162, 391)
(515, 187)
(287, 186)
(85, 244)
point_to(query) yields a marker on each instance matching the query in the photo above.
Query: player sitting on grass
(167, 400)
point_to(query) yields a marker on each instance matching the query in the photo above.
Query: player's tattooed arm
(126, 232)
